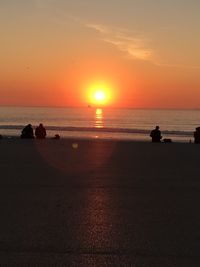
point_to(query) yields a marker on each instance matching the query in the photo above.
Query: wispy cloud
(133, 44)
(130, 43)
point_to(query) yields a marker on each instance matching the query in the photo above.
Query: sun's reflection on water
(99, 118)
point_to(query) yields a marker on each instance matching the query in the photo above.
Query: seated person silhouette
(40, 132)
(27, 132)
(197, 136)
(156, 135)
(56, 137)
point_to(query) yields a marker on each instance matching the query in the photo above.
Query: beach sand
(99, 203)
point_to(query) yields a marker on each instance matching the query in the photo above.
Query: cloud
(134, 45)
(130, 43)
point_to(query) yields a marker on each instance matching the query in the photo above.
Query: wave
(103, 130)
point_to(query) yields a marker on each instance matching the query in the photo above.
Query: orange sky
(53, 51)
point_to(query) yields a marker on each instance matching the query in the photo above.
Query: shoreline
(65, 138)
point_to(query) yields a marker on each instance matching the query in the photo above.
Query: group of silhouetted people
(28, 133)
(40, 133)
(156, 136)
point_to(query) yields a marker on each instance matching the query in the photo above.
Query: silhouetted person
(40, 132)
(156, 135)
(197, 136)
(27, 132)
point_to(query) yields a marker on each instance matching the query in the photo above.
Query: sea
(101, 123)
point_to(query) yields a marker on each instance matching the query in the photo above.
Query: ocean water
(126, 124)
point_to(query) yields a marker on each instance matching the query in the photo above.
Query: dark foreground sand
(99, 203)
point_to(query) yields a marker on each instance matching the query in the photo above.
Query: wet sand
(99, 203)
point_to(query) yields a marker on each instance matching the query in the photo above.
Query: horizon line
(100, 107)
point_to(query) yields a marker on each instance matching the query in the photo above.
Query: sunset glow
(84, 56)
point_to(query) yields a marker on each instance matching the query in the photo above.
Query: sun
(99, 94)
